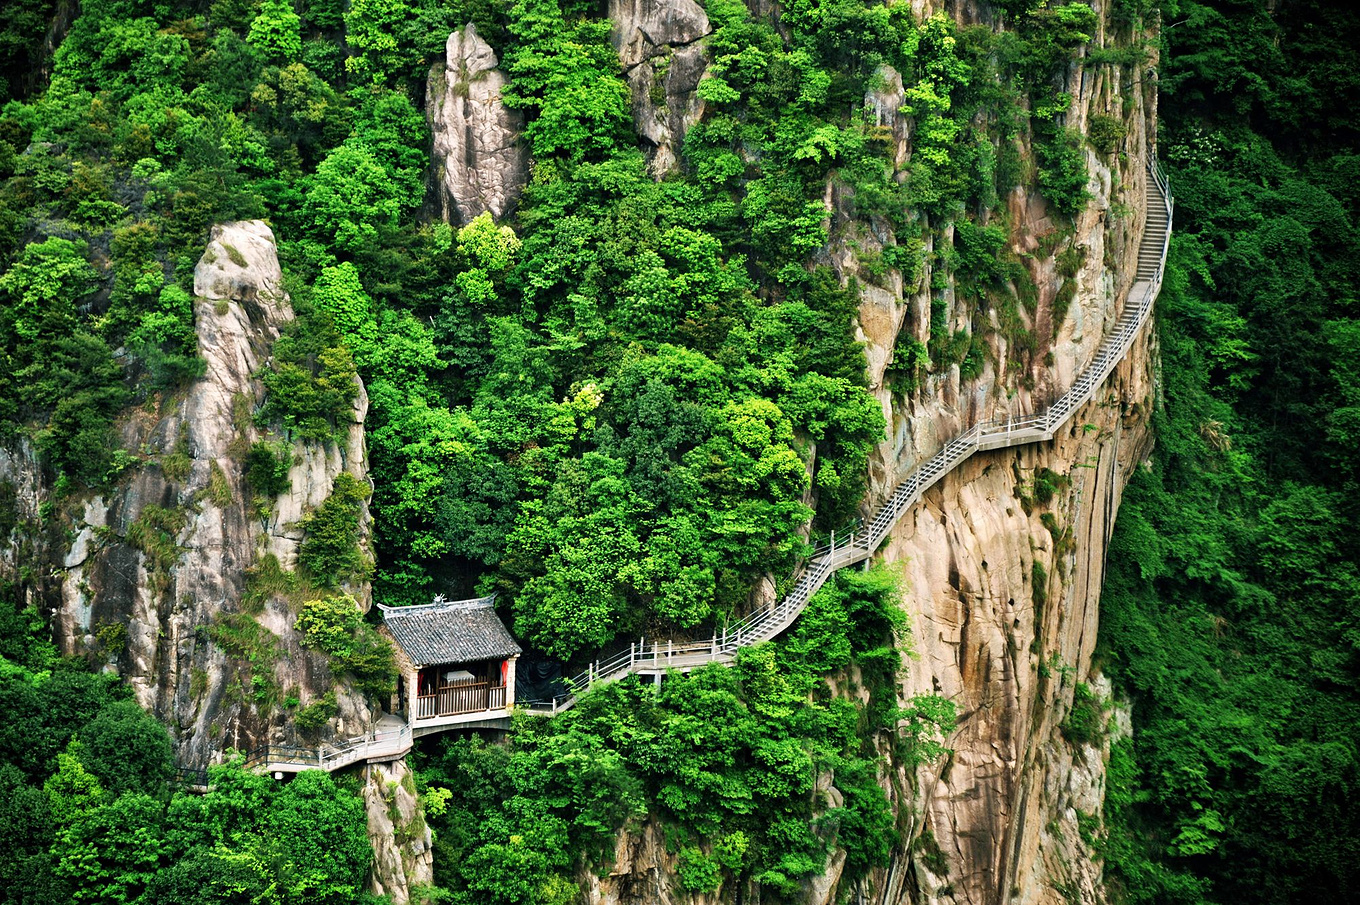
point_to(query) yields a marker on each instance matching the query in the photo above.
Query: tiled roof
(450, 631)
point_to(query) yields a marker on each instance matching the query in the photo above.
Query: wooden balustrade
(467, 697)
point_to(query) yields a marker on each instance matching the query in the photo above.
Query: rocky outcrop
(403, 859)
(663, 60)
(1003, 581)
(480, 163)
(642, 871)
(1003, 594)
(164, 578)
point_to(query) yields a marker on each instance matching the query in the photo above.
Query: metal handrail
(334, 755)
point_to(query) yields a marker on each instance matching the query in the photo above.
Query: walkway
(393, 739)
(643, 658)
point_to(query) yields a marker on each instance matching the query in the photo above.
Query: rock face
(151, 578)
(480, 163)
(401, 840)
(663, 60)
(1004, 593)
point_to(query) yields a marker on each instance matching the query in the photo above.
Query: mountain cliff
(1002, 562)
(613, 313)
(164, 579)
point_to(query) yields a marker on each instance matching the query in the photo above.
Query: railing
(865, 537)
(190, 778)
(329, 757)
(451, 700)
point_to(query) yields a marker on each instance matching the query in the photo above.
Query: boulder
(644, 29)
(663, 60)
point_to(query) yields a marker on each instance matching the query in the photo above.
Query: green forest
(1231, 613)
(624, 404)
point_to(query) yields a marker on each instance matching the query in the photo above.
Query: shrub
(316, 714)
(335, 625)
(1105, 132)
(330, 552)
(1048, 482)
(1062, 171)
(1085, 722)
(267, 466)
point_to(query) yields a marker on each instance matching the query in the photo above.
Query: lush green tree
(43, 287)
(110, 851)
(565, 71)
(352, 198)
(372, 29)
(276, 33)
(26, 833)
(127, 749)
(213, 877)
(330, 551)
(319, 835)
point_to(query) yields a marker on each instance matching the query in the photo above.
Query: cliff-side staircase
(655, 658)
(393, 738)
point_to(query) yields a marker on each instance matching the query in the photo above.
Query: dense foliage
(1232, 614)
(89, 811)
(611, 409)
(734, 768)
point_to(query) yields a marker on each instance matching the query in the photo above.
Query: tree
(319, 835)
(44, 286)
(352, 198)
(330, 550)
(110, 852)
(566, 73)
(213, 877)
(127, 749)
(339, 294)
(276, 33)
(372, 30)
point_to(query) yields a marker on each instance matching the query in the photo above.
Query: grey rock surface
(480, 163)
(663, 58)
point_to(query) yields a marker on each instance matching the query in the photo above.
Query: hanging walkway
(657, 657)
(393, 738)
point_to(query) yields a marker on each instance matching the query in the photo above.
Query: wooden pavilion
(456, 659)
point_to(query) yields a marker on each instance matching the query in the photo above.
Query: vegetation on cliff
(90, 810)
(749, 776)
(615, 409)
(626, 398)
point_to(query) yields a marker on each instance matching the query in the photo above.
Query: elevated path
(394, 737)
(643, 658)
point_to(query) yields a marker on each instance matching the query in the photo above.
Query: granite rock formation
(663, 59)
(480, 163)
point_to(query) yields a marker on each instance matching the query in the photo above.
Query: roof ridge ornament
(440, 602)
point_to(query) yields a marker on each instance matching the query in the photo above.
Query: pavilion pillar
(412, 683)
